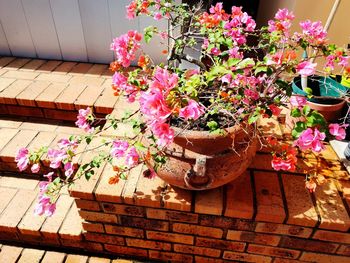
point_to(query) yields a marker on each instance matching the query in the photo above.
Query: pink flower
(306, 68)
(132, 157)
(192, 111)
(215, 51)
(119, 148)
(298, 101)
(163, 80)
(163, 133)
(313, 32)
(22, 159)
(69, 169)
(48, 176)
(153, 105)
(338, 130)
(126, 46)
(44, 206)
(83, 120)
(275, 110)
(56, 157)
(35, 168)
(234, 53)
(163, 35)
(311, 140)
(226, 78)
(66, 143)
(157, 16)
(131, 10)
(284, 14)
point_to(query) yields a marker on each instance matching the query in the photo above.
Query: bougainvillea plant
(240, 74)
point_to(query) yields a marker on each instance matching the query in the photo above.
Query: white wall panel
(97, 29)
(42, 28)
(16, 28)
(67, 20)
(4, 47)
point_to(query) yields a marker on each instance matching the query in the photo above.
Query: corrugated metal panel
(4, 46)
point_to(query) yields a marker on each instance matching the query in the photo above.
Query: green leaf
(298, 129)
(315, 119)
(295, 113)
(306, 110)
(308, 91)
(88, 174)
(254, 117)
(260, 69)
(212, 125)
(139, 146)
(232, 62)
(148, 33)
(248, 62)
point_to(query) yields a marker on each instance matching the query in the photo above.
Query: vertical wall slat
(16, 28)
(42, 28)
(69, 29)
(4, 46)
(97, 30)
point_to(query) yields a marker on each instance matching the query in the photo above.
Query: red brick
(39, 126)
(170, 257)
(99, 260)
(130, 185)
(46, 99)
(207, 260)
(71, 227)
(210, 252)
(53, 257)
(149, 192)
(262, 161)
(64, 68)
(103, 238)
(98, 217)
(177, 199)
(269, 198)
(132, 242)
(169, 215)
(26, 97)
(273, 251)
(87, 205)
(281, 229)
(15, 74)
(129, 251)
(124, 209)
(4, 111)
(105, 103)
(308, 245)
(315, 257)
(53, 77)
(52, 224)
(6, 136)
(197, 230)
(251, 237)
(76, 259)
(8, 96)
(226, 222)
(285, 260)
(42, 139)
(10, 254)
(4, 83)
(246, 257)
(5, 61)
(220, 244)
(328, 199)
(109, 192)
(24, 111)
(177, 238)
(332, 236)
(65, 100)
(97, 70)
(6, 195)
(301, 210)
(31, 255)
(60, 115)
(88, 97)
(49, 65)
(33, 65)
(144, 223)
(239, 198)
(9, 123)
(17, 63)
(209, 202)
(87, 80)
(344, 250)
(93, 227)
(80, 68)
(15, 210)
(124, 231)
(19, 183)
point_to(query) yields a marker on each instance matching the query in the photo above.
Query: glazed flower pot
(198, 160)
(327, 96)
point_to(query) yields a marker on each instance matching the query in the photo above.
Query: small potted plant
(196, 128)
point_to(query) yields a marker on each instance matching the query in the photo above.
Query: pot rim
(336, 106)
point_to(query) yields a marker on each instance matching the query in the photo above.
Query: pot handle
(198, 173)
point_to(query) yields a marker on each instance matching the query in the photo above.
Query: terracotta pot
(199, 160)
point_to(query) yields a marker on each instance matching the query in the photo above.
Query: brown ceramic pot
(198, 160)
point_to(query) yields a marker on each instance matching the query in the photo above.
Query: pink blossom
(22, 159)
(68, 169)
(163, 132)
(153, 105)
(343, 61)
(132, 157)
(48, 176)
(298, 101)
(56, 157)
(131, 10)
(66, 143)
(275, 110)
(234, 53)
(83, 120)
(35, 168)
(121, 83)
(311, 140)
(163, 35)
(282, 21)
(119, 148)
(163, 80)
(217, 9)
(126, 46)
(215, 51)
(284, 14)
(338, 130)
(44, 206)
(306, 68)
(313, 32)
(192, 111)
(157, 16)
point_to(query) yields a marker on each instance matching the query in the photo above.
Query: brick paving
(263, 216)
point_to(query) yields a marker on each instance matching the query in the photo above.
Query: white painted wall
(76, 30)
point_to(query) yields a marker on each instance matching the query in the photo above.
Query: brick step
(53, 89)
(15, 253)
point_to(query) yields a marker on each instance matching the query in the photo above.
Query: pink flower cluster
(56, 157)
(121, 149)
(282, 22)
(83, 120)
(126, 46)
(121, 83)
(311, 139)
(338, 131)
(44, 205)
(306, 68)
(313, 32)
(192, 111)
(298, 101)
(338, 57)
(22, 159)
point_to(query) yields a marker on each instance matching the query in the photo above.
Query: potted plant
(197, 127)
